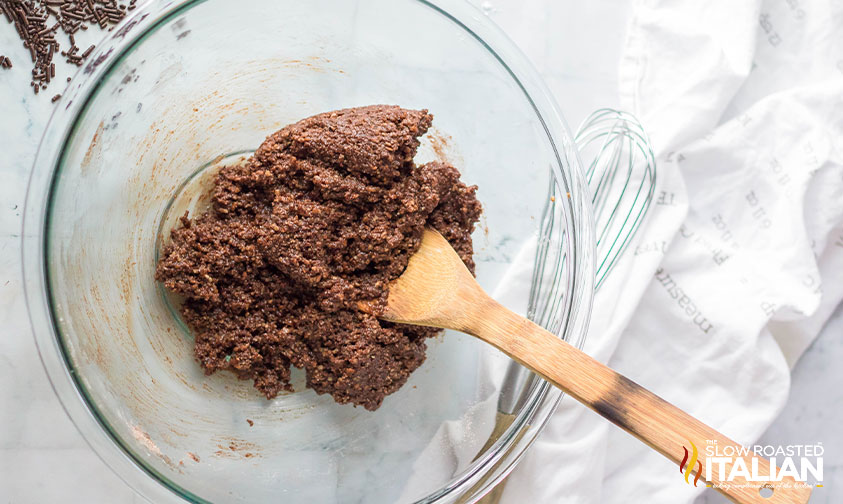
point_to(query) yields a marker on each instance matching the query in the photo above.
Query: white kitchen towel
(741, 259)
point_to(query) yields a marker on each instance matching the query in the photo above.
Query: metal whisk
(621, 172)
(622, 179)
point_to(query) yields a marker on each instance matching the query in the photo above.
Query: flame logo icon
(687, 465)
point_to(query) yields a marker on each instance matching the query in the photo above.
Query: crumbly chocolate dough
(326, 213)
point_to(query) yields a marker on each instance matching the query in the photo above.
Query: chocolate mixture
(326, 213)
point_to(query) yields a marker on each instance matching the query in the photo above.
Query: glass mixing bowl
(180, 88)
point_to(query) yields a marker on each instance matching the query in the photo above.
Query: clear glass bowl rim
(504, 454)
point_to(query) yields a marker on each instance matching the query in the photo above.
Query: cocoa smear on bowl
(325, 214)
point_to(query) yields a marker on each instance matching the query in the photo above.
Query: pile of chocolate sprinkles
(38, 22)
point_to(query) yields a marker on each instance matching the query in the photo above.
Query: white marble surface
(575, 45)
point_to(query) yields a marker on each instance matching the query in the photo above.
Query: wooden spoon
(437, 290)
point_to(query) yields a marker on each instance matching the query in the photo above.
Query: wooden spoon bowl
(437, 290)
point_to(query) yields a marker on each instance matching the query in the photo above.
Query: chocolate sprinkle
(31, 19)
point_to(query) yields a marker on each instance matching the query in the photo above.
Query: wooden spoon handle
(661, 425)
